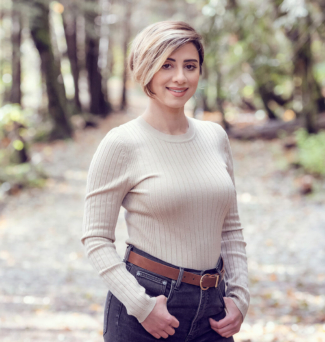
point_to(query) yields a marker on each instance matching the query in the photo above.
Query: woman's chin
(175, 103)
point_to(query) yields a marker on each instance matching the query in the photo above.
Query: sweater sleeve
(108, 182)
(233, 248)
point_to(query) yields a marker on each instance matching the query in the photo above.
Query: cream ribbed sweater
(180, 200)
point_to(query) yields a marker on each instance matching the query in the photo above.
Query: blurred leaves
(311, 151)
(17, 170)
(22, 175)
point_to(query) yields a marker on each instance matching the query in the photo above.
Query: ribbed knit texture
(181, 206)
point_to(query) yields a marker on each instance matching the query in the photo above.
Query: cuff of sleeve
(243, 307)
(143, 314)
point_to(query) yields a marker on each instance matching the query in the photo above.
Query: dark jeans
(188, 303)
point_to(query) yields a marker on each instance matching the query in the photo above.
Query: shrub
(311, 151)
(16, 167)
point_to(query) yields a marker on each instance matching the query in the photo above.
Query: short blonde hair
(152, 46)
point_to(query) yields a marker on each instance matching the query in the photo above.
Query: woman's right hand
(160, 323)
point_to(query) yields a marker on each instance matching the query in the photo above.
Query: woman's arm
(108, 182)
(233, 248)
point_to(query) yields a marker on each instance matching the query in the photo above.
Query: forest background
(64, 83)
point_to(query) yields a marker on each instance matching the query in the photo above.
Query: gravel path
(49, 291)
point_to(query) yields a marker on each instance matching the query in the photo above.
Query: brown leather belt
(205, 281)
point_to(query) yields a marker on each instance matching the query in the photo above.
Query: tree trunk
(263, 90)
(303, 62)
(104, 49)
(98, 104)
(110, 56)
(220, 99)
(321, 32)
(271, 129)
(300, 38)
(204, 98)
(70, 30)
(57, 103)
(320, 98)
(127, 33)
(265, 96)
(15, 95)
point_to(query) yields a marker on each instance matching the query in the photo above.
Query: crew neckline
(190, 133)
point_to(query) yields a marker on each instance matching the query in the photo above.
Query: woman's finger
(163, 334)
(225, 331)
(220, 324)
(175, 322)
(170, 331)
(157, 336)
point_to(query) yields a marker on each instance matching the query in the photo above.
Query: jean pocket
(106, 311)
(154, 285)
(128, 266)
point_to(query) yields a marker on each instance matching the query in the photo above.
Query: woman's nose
(179, 76)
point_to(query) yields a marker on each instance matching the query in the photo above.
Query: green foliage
(319, 71)
(10, 113)
(15, 131)
(13, 125)
(311, 151)
(24, 175)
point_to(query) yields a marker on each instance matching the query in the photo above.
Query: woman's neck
(166, 119)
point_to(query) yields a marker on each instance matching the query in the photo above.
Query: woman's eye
(188, 67)
(192, 67)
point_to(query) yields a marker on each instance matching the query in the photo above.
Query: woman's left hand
(229, 325)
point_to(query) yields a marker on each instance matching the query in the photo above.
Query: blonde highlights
(152, 46)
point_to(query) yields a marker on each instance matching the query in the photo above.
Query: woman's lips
(177, 94)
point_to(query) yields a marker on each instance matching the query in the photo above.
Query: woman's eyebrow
(185, 60)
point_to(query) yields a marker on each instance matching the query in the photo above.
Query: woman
(174, 176)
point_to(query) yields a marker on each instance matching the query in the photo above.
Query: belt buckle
(207, 274)
(217, 281)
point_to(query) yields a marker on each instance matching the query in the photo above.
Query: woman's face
(176, 82)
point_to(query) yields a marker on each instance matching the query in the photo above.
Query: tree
(212, 33)
(298, 30)
(70, 29)
(15, 94)
(98, 103)
(126, 38)
(57, 103)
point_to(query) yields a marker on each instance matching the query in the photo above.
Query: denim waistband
(151, 257)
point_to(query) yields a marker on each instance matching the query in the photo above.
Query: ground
(50, 292)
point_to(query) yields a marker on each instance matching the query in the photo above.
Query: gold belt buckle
(207, 274)
(217, 281)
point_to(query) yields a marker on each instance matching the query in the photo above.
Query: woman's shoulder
(120, 137)
(210, 127)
